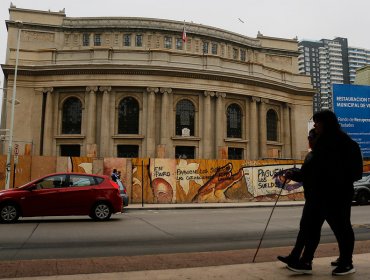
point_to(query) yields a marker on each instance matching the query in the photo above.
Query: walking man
(336, 164)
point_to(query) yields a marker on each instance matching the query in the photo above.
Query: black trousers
(337, 212)
(300, 241)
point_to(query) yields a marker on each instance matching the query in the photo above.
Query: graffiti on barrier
(215, 188)
(261, 181)
(189, 181)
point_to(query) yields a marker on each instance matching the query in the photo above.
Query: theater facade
(142, 88)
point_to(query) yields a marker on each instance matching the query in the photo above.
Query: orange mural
(141, 190)
(80, 164)
(215, 188)
(186, 181)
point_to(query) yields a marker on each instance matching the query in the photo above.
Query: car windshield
(364, 178)
(120, 185)
(28, 184)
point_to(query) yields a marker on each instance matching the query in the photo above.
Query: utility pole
(11, 128)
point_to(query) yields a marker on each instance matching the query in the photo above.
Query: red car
(62, 194)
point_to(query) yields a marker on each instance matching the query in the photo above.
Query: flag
(184, 38)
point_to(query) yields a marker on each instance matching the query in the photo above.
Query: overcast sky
(306, 19)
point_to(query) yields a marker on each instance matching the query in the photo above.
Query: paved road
(148, 232)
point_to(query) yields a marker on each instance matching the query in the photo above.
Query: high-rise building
(326, 61)
(329, 62)
(357, 58)
(308, 63)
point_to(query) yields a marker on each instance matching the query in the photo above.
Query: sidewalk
(248, 271)
(228, 265)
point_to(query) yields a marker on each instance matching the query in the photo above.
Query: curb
(212, 205)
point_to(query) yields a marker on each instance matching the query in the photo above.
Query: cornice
(154, 71)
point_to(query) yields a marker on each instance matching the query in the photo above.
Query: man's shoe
(336, 262)
(287, 259)
(300, 267)
(344, 269)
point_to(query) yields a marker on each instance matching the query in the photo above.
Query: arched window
(72, 114)
(234, 121)
(271, 122)
(185, 113)
(128, 116)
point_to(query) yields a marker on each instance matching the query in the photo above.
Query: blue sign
(351, 104)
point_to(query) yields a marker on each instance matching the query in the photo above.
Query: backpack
(355, 160)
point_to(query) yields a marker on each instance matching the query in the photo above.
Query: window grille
(139, 40)
(235, 153)
(127, 40)
(185, 113)
(97, 40)
(128, 151)
(214, 48)
(168, 42)
(128, 116)
(205, 47)
(70, 150)
(72, 115)
(179, 44)
(234, 121)
(86, 39)
(271, 122)
(185, 152)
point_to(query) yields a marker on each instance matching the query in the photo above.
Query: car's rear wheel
(101, 211)
(9, 213)
(362, 198)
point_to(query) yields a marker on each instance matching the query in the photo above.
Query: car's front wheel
(362, 198)
(9, 213)
(101, 211)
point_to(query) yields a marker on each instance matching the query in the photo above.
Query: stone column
(150, 127)
(104, 124)
(91, 121)
(164, 119)
(262, 128)
(286, 132)
(220, 122)
(253, 121)
(247, 152)
(48, 123)
(207, 125)
(56, 128)
(293, 131)
(113, 117)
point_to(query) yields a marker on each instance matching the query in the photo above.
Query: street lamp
(10, 146)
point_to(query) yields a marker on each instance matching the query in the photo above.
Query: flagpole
(184, 36)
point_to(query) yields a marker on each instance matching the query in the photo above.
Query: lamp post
(10, 146)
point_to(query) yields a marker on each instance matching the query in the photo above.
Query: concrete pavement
(250, 271)
(236, 264)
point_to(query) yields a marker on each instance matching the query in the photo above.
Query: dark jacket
(336, 163)
(328, 172)
(114, 177)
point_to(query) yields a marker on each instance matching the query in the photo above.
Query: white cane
(268, 221)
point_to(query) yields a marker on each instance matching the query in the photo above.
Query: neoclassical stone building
(132, 87)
